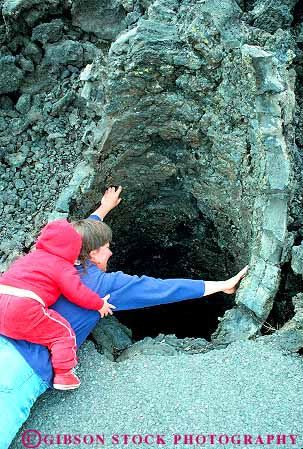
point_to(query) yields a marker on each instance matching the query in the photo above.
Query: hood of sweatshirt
(60, 239)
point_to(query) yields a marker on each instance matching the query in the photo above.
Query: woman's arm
(109, 201)
(229, 286)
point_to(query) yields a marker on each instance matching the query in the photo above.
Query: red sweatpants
(27, 319)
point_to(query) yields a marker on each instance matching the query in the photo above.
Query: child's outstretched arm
(75, 291)
(109, 201)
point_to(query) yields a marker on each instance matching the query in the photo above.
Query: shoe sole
(65, 387)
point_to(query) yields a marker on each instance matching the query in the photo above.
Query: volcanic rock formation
(193, 106)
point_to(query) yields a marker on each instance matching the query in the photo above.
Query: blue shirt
(126, 293)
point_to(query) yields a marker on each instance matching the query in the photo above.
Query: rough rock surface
(193, 98)
(196, 108)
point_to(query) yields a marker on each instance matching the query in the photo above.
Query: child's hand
(111, 198)
(107, 308)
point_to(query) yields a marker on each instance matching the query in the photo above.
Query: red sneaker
(66, 381)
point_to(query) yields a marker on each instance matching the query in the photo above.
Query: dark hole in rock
(281, 312)
(166, 246)
(297, 13)
(14, 96)
(194, 318)
(283, 308)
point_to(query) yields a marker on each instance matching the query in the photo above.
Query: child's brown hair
(94, 234)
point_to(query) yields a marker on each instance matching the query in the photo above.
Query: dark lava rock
(10, 75)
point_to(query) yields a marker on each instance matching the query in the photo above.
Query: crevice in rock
(297, 14)
(283, 308)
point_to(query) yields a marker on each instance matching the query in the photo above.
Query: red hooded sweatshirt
(49, 270)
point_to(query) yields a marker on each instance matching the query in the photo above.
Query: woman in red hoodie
(35, 281)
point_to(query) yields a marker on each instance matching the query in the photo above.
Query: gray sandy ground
(247, 388)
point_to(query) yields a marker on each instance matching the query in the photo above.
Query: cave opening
(192, 318)
(168, 240)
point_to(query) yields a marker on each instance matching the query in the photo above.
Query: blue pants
(20, 387)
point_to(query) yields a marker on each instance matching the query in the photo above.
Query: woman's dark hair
(94, 234)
